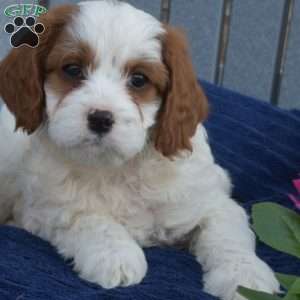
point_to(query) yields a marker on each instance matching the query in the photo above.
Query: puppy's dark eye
(73, 71)
(138, 80)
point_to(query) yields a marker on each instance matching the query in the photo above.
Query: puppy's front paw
(111, 268)
(249, 271)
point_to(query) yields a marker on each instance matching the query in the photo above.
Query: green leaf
(256, 295)
(295, 288)
(294, 225)
(286, 280)
(291, 297)
(277, 226)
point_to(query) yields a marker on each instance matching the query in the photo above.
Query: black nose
(100, 121)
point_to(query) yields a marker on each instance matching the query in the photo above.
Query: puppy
(116, 158)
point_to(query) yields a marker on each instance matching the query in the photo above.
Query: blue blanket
(257, 143)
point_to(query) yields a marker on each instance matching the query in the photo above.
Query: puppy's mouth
(95, 140)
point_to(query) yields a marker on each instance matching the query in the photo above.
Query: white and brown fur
(152, 180)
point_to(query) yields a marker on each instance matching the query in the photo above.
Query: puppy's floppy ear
(22, 72)
(21, 87)
(184, 104)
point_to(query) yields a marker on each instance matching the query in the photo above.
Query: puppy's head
(105, 80)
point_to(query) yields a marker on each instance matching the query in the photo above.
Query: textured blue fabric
(258, 144)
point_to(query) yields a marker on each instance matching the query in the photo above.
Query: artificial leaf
(256, 295)
(286, 280)
(275, 225)
(295, 288)
(291, 296)
(294, 225)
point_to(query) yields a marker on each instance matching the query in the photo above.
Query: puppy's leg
(225, 247)
(103, 252)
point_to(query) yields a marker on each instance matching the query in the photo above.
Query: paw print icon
(24, 32)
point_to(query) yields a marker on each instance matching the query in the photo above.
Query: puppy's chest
(151, 205)
(149, 209)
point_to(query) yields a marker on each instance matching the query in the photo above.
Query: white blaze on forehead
(118, 32)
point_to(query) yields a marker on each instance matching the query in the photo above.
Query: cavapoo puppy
(110, 155)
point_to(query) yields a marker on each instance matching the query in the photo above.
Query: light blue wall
(251, 55)
(290, 89)
(201, 20)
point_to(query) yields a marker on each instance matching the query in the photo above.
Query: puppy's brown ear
(22, 72)
(184, 104)
(21, 87)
